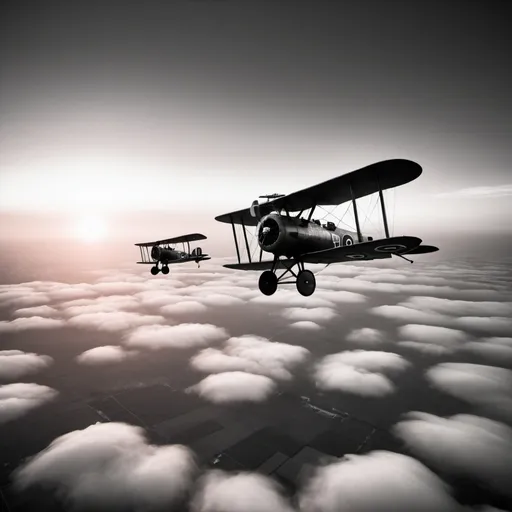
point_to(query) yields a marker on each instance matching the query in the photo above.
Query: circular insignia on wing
(347, 240)
(356, 256)
(390, 248)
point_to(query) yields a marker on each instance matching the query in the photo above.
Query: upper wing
(375, 249)
(239, 217)
(368, 180)
(365, 181)
(193, 237)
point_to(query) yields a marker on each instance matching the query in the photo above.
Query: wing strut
(246, 242)
(236, 241)
(311, 212)
(384, 218)
(356, 216)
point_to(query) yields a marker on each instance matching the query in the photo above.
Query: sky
(191, 108)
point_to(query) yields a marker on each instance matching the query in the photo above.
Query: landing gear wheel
(165, 270)
(268, 283)
(155, 270)
(306, 283)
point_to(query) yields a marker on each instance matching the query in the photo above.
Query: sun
(91, 228)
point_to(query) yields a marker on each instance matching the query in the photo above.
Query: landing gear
(306, 283)
(304, 279)
(155, 270)
(268, 283)
(165, 270)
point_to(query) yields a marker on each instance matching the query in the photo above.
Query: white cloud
(220, 491)
(113, 320)
(252, 354)
(366, 335)
(109, 465)
(405, 314)
(491, 349)
(100, 305)
(292, 299)
(220, 300)
(485, 386)
(104, 355)
(313, 314)
(459, 307)
(175, 336)
(492, 325)
(158, 298)
(426, 348)
(15, 363)
(306, 325)
(463, 445)
(32, 322)
(379, 481)
(359, 372)
(229, 387)
(18, 399)
(63, 291)
(186, 307)
(43, 311)
(449, 338)
(22, 299)
(118, 288)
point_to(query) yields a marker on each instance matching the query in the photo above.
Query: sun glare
(91, 228)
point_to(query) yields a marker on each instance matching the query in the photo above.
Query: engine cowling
(290, 236)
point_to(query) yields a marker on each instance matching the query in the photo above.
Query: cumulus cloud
(222, 388)
(492, 325)
(220, 300)
(405, 314)
(498, 350)
(459, 307)
(449, 338)
(15, 363)
(306, 325)
(111, 465)
(220, 491)
(27, 323)
(379, 481)
(104, 355)
(426, 348)
(486, 386)
(186, 307)
(22, 297)
(252, 354)
(100, 305)
(358, 371)
(364, 336)
(175, 336)
(311, 314)
(113, 320)
(292, 299)
(43, 311)
(463, 445)
(64, 291)
(18, 399)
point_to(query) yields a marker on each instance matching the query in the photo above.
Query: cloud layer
(18, 399)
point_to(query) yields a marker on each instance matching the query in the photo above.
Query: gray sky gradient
(203, 105)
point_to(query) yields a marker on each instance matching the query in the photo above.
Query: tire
(155, 270)
(268, 283)
(306, 283)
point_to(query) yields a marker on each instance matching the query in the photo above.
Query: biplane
(285, 227)
(162, 253)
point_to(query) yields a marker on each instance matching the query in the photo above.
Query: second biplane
(294, 239)
(162, 253)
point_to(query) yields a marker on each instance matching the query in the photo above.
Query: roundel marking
(390, 248)
(356, 256)
(347, 240)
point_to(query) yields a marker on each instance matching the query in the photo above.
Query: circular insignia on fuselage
(347, 240)
(390, 248)
(356, 256)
